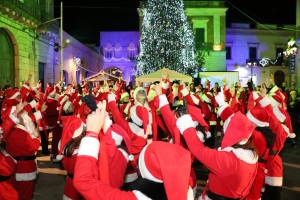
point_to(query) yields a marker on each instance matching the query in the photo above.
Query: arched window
(131, 50)
(108, 50)
(118, 50)
(78, 75)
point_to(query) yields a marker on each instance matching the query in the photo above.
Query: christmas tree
(167, 39)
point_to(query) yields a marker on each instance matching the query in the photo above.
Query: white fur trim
(164, 85)
(222, 108)
(256, 121)
(26, 86)
(274, 103)
(89, 146)
(33, 103)
(195, 99)
(140, 196)
(265, 101)
(137, 130)
(286, 129)
(273, 181)
(125, 154)
(255, 95)
(243, 154)
(281, 117)
(137, 90)
(184, 122)
(67, 104)
(78, 131)
(190, 194)
(184, 92)
(73, 90)
(64, 99)
(163, 100)
(134, 116)
(37, 115)
(59, 157)
(15, 95)
(65, 197)
(130, 177)
(26, 176)
(143, 168)
(205, 98)
(127, 108)
(118, 138)
(14, 118)
(274, 89)
(196, 123)
(111, 97)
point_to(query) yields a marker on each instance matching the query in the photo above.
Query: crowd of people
(134, 142)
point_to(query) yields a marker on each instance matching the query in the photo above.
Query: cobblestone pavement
(50, 183)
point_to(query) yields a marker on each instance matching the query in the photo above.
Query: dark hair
(72, 145)
(249, 146)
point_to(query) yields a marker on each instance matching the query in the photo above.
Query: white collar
(245, 155)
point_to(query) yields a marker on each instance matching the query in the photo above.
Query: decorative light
(116, 59)
(217, 47)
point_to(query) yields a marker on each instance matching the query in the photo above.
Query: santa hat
(7, 111)
(124, 95)
(239, 130)
(25, 91)
(48, 90)
(63, 107)
(207, 97)
(140, 116)
(197, 116)
(119, 135)
(137, 90)
(168, 164)
(61, 100)
(258, 116)
(72, 128)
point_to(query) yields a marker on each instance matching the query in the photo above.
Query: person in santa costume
(281, 126)
(22, 143)
(234, 165)
(7, 162)
(73, 132)
(138, 129)
(263, 139)
(91, 182)
(50, 118)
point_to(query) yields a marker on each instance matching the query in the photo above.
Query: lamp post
(251, 65)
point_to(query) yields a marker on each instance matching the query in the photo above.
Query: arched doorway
(6, 60)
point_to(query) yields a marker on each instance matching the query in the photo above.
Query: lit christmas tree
(167, 39)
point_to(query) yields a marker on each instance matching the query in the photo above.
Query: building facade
(29, 38)
(119, 49)
(246, 46)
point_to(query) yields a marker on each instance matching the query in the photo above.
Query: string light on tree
(167, 39)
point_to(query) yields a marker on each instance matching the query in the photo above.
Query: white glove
(220, 99)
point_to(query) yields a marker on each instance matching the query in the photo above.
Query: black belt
(273, 152)
(70, 175)
(261, 160)
(4, 178)
(24, 157)
(214, 196)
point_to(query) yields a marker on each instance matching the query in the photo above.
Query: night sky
(84, 19)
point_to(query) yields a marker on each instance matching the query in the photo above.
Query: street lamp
(251, 65)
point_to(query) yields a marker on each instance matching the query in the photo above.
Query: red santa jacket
(87, 181)
(50, 115)
(7, 125)
(7, 170)
(23, 148)
(232, 171)
(69, 165)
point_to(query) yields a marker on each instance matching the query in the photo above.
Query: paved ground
(51, 179)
